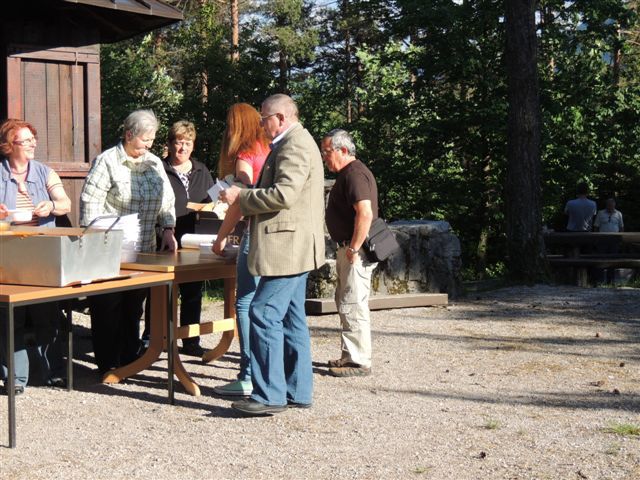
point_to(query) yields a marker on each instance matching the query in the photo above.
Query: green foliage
(421, 85)
(289, 29)
(185, 72)
(135, 76)
(590, 116)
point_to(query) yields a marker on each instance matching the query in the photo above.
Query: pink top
(255, 158)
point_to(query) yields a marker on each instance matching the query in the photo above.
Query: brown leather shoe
(351, 370)
(341, 362)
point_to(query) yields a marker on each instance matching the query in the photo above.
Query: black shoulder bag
(381, 242)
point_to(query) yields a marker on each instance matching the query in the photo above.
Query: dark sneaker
(291, 404)
(352, 370)
(253, 408)
(57, 382)
(18, 390)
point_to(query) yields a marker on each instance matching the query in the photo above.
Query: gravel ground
(517, 383)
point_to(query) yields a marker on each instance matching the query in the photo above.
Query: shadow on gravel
(567, 341)
(590, 401)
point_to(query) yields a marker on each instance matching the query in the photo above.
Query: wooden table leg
(179, 371)
(229, 312)
(158, 338)
(10, 381)
(187, 382)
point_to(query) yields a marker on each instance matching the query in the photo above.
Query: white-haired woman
(127, 179)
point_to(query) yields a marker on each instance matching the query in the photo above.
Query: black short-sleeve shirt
(354, 183)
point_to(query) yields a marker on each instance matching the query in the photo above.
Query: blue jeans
(280, 344)
(245, 289)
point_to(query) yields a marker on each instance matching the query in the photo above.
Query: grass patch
(624, 429)
(421, 470)
(213, 291)
(491, 424)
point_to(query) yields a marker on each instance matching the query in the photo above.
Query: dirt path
(519, 383)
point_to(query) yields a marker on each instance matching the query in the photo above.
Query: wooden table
(184, 266)
(578, 240)
(575, 257)
(12, 296)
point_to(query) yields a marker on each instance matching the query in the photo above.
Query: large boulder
(428, 261)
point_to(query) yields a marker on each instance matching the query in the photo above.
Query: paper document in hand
(214, 192)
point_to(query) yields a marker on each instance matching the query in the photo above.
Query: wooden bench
(322, 306)
(582, 263)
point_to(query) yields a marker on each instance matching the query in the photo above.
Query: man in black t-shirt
(352, 206)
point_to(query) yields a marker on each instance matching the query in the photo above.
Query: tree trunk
(204, 79)
(283, 80)
(347, 60)
(546, 22)
(525, 245)
(235, 32)
(617, 57)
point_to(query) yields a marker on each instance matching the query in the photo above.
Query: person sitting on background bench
(581, 210)
(609, 219)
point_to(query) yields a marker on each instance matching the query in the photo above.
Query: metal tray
(57, 257)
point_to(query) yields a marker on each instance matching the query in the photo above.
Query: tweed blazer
(286, 208)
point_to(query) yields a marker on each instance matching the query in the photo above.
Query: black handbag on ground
(381, 242)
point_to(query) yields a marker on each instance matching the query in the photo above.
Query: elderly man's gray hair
(341, 138)
(281, 103)
(140, 122)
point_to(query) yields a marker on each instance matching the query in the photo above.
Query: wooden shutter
(58, 91)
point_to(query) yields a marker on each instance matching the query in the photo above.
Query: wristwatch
(352, 250)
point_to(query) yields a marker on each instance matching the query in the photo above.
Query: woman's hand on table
(218, 246)
(4, 211)
(168, 240)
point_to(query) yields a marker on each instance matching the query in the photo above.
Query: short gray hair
(140, 121)
(281, 103)
(341, 138)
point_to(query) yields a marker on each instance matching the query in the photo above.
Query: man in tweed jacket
(286, 212)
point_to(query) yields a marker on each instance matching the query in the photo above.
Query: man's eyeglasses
(26, 141)
(328, 151)
(264, 117)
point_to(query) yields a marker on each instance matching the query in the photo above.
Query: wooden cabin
(50, 75)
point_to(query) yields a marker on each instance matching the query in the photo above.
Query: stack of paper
(130, 226)
(194, 240)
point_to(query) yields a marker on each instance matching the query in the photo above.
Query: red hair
(243, 133)
(9, 131)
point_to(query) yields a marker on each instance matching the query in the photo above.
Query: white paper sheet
(214, 192)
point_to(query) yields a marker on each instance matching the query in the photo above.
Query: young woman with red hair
(243, 152)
